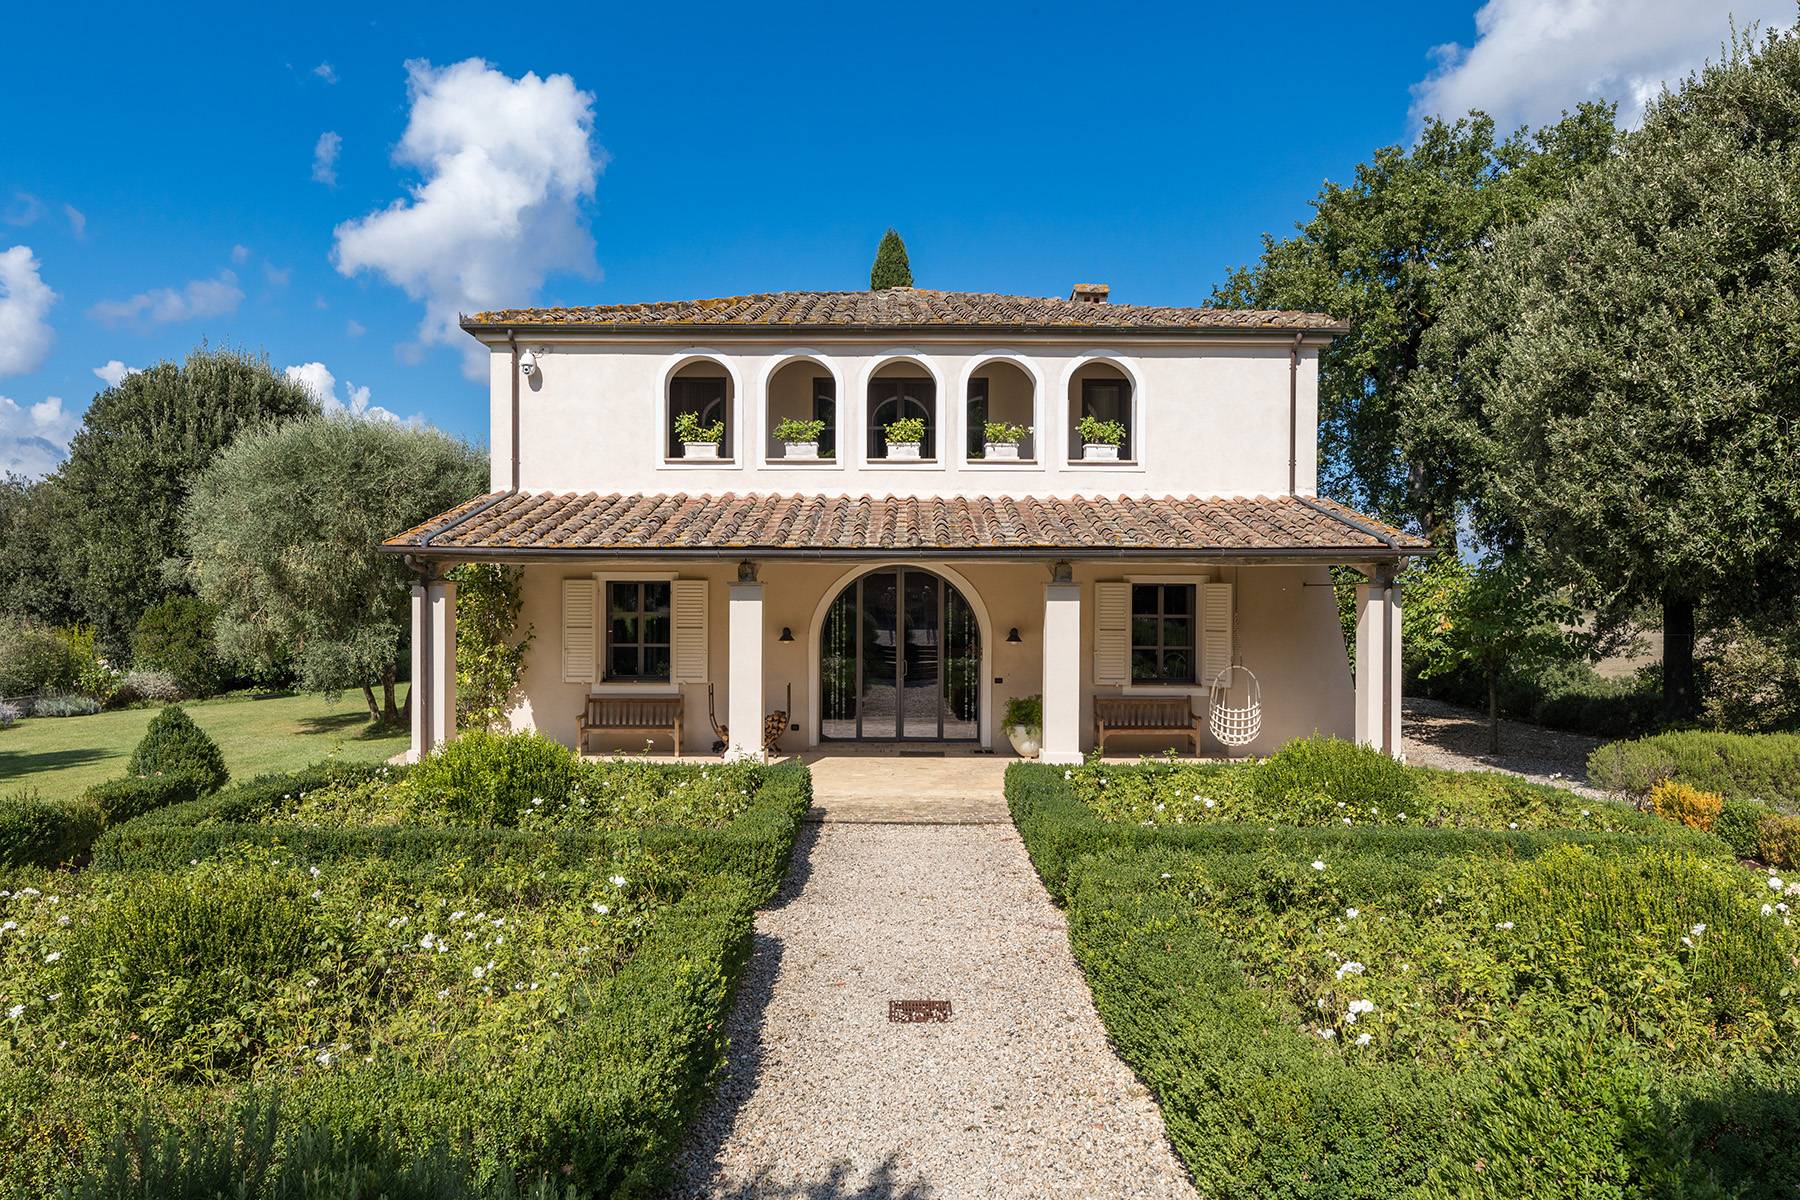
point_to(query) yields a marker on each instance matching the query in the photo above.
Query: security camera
(527, 364)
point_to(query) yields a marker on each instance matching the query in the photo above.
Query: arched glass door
(900, 659)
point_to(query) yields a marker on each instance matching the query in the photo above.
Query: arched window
(1102, 392)
(703, 391)
(1004, 393)
(902, 391)
(802, 390)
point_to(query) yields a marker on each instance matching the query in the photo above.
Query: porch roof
(549, 524)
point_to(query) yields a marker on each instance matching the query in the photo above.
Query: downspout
(1293, 414)
(514, 343)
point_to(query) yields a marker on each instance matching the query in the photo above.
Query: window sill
(903, 464)
(700, 464)
(804, 464)
(1002, 463)
(1101, 464)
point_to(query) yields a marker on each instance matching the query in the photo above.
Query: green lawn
(63, 756)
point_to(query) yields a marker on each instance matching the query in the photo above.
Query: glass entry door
(900, 659)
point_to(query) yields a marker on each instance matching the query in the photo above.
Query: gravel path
(1019, 1094)
(1437, 734)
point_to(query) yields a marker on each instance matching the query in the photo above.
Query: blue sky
(166, 179)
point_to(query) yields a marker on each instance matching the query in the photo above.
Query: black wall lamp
(1012, 635)
(787, 635)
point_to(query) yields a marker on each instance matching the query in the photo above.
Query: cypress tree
(891, 268)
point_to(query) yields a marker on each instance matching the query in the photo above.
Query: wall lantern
(787, 635)
(1012, 635)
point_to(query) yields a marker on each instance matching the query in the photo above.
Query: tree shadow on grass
(19, 764)
(354, 724)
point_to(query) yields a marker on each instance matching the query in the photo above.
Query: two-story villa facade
(877, 591)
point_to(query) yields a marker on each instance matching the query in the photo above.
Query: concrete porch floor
(870, 788)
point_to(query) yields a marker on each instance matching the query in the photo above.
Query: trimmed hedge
(35, 832)
(174, 745)
(1257, 1107)
(754, 847)
(122, 800)
(1059, 832)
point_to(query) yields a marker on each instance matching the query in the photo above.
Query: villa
(824, 517)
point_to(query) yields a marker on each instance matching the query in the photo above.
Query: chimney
(1089, 293)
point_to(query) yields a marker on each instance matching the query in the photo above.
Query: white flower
(1362, 1006)
(1400, 816)
(1586, 813)
(53, 997)
(1503, 925)
(323, 1058)
(1165, 874)
(1210, 802)
(9, 927)
(29, 891)
(458, 915)
(1687, 941)
(1318, 864)
(1768, 910)
(313, 871)
(52, 956)
(1350, 968)
(1775, 885)
(425, 942)
(1698, 929)
(478, 972)
(1362, 1039)
(312, 983)
(1160, 807)
(1328, 1034)
(1068, 774)
(1353, 913)
(15, 1012)
(616, 880)
(442, 993)
(1512, 824)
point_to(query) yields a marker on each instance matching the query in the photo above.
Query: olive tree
(282, 532)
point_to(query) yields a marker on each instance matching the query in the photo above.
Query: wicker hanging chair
(1235, 726)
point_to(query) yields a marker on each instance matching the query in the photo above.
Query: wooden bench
(1123, 714)
(631, 714)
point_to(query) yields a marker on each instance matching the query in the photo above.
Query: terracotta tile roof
(905, 308)
(589, 522)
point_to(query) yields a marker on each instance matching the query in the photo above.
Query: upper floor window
(902, 415)
(1002, 402)
(700, 424)
(1102, 415)
(802, 418)
(1162, 633)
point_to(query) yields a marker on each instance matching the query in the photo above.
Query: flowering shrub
(137, 684)
(1686, 805)
(64, 704)
(1170, 792)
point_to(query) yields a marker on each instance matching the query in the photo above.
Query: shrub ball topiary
(488, 779)
(174, 745)
(176, 636)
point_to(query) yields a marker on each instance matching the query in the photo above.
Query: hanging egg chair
(1234, 726)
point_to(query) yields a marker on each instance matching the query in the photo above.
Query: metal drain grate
(921, 754)
(911, 1012)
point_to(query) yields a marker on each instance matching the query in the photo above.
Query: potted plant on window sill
(1003, 439)
(905, 436)
(697, 440)
(800, 439)
(1025, 725)
(1100, 440)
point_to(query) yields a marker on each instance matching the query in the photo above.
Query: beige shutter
(1215, 623)
(1112, 633)
(578, 631)
(689, 601)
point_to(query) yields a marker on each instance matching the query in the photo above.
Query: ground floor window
(1162, 633)
(637, 631)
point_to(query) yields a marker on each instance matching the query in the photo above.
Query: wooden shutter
(1215, 624)
(688, 597)
(578, 630)
(1112, 633)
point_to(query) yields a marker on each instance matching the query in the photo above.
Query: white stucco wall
(1212, 416)
(1286, 632)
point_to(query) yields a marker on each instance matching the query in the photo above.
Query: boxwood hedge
(1205, 946)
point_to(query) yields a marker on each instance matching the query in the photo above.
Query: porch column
(744, 703)
(433, 665)
(1062, 673)
(1378, 662)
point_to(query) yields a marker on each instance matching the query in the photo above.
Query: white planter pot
(1006, 450)
(1026, 740)
(1099, 452)
(700, 450)
(903, 449)
(801, 449)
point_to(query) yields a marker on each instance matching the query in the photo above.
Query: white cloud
(1532, 59)
(214, 297)
(317, 379)
(77, 222)
(325, 156)
(324, 71)
(506, 166)
(354, 328)
(114, 372)
(25, 299)
(240, 254)
(33, 441)
(277, 276)
(24, 210)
